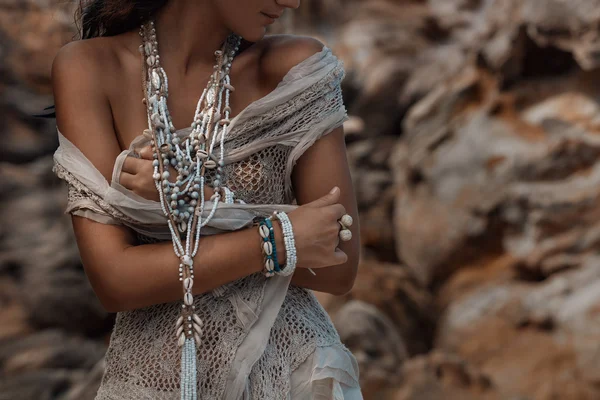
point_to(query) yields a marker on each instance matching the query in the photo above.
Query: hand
(316, 232)
(136, 175)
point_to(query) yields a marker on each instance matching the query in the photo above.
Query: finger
(329, 199)
(336, 211)
(339, 257)
(128, 180)
(146, 153)
(132, 165)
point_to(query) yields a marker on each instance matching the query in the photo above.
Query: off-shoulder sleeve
(84, 203)
(324, 112)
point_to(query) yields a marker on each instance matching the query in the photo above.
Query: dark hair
(112, 17)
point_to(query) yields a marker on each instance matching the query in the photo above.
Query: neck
(188, 33)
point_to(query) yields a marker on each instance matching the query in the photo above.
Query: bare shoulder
(283, 52)
(83, 59)
(80, 72)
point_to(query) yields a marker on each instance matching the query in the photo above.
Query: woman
(258, 331)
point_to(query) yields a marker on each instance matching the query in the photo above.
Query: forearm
(337, 279)
(327, 279)
(145, 275)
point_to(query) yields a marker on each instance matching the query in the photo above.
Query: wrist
(279, 242)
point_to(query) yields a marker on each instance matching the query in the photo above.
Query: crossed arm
(125, 275)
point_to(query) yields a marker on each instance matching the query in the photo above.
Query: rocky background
(474, 140)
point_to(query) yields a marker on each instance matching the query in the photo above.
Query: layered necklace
(187, 159)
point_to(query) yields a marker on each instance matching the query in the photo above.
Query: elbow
(113, 297)
(110, 299)
(342, 289)
(105, 286)
(346, 282)
(109, 306)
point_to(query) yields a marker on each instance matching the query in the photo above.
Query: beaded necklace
(183, 201)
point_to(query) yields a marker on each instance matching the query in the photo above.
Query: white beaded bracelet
(290, 246)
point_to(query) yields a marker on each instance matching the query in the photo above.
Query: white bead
(345, 235)
(347, 220)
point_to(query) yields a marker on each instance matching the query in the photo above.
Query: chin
(254, 35)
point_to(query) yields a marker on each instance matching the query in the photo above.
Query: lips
(274, 16)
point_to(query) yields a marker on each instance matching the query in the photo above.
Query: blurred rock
(511, 168)
(31, 32)
(550, 328)
(444, 376)
(374, 341)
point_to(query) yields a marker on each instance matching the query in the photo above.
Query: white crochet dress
(263, 338)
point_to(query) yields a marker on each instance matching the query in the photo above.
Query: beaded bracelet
(272, 240)
(290, 246)
(267, 249)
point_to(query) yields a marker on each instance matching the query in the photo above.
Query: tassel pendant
(188, 331)
(189, 388)
(189, 335)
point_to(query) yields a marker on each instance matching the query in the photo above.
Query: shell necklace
(183, 201)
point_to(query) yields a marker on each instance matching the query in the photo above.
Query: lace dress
(263, 338)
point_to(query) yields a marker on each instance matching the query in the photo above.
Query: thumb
(330, 198)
